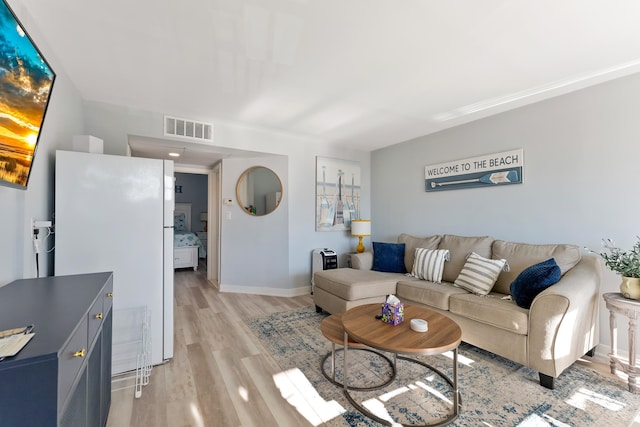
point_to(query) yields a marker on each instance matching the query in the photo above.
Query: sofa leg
(318, 309)
(546, 380)
(591, 352)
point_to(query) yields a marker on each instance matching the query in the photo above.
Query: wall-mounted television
(26, 81)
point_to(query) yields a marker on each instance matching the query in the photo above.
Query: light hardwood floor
(220, 374)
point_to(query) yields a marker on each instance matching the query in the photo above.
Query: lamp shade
(361, 227)
(203, 216)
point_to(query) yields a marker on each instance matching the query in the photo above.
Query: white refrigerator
(115, 213)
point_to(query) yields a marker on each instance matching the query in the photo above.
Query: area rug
(494, 390)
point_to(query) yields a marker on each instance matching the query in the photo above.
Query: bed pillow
(533, 280)
(179, 222)
(388, 257)
(479, 274)
(428, 264)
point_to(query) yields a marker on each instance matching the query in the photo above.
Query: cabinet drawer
(185, 256)
(71, 360)
(94, 318)
(108, 296)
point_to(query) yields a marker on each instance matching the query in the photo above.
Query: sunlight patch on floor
(544, 420)
(243, 393)
(296, 389)
(461, 358)
(197, 416)
(432, 391)
(377, 408)
(583, 396)
(376, 405)
(393, 393)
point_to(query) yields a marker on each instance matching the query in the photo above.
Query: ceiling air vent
(174, 126)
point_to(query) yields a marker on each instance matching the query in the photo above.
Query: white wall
(64, 118)
(581, 175)
(114, 123)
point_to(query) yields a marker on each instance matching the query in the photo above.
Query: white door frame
(213, 217)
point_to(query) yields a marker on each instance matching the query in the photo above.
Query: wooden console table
(617, 304)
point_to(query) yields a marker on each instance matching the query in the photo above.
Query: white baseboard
(602, 354)
(603, 350)
(273, 292)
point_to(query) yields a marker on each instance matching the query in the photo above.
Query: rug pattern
(495, 391)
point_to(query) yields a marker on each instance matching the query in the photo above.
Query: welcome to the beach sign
(492, 170)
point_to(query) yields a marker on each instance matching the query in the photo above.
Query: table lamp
(360, 228)
(204, 218)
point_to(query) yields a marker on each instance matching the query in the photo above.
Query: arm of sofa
(362, 261)
(563, 319)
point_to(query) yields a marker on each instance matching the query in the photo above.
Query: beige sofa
(560, 326)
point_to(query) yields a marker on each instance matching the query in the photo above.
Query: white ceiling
(362, 73)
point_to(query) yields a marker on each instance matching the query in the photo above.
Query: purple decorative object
(392, 313)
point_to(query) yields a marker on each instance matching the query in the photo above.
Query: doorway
(199, 187)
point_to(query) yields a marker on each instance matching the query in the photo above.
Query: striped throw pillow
(429, 264)
(479, 274)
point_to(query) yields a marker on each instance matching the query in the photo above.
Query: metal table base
(332, 376)
(457, 399)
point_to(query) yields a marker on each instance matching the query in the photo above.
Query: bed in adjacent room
(187, 247)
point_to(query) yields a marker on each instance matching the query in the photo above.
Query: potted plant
(625, 263)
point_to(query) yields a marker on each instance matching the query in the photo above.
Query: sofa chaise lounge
(559, 327)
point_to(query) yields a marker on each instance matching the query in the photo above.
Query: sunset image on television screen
(25, 84)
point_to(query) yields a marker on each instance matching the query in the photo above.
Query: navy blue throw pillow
(534, 280)
(388, 257)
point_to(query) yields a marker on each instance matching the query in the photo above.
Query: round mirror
(259, 191)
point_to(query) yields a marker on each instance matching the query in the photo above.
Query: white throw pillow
(479, 274)
(428, 264)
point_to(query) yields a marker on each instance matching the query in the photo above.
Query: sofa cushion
(460, 247)
(533, 280)
(428, 264)
(427, 293)
(412, 243)
(522, 255)
(388, 257)
(479, 274)
(350, 284)
(491, 310)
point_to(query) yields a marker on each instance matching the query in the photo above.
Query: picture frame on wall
(492, 170)
(27, 81)
(338, 184)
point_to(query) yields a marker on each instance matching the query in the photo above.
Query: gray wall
(581, 177)
(194, 191)
(63, 120)
(259, 261)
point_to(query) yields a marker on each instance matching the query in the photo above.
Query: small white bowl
(419, 325)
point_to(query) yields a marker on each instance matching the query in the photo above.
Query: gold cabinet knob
(80, 353)
(99, 316)
(110, 294)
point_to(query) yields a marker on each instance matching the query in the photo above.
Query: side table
(617, 304)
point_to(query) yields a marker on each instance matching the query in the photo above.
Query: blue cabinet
(62, 377)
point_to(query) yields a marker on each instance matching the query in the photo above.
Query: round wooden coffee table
(331, 328)
(444, 334)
